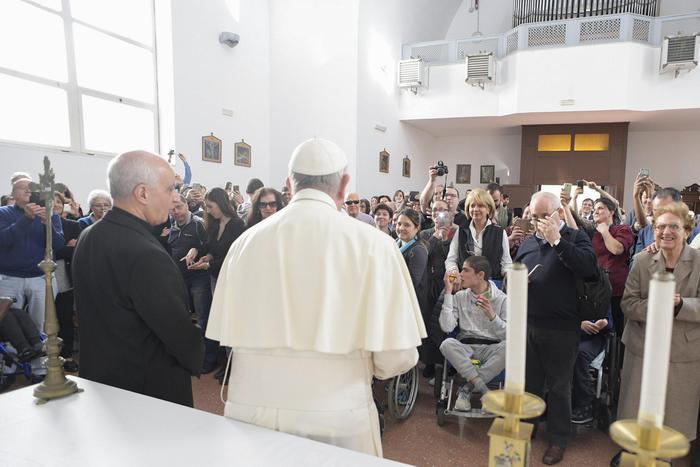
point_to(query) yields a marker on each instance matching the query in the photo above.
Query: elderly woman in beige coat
(672, 225)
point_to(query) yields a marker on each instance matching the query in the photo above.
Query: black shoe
(27, 355)
(615, 461)
(70, 366)
(582, 415)
(208, 367)
(429, 370)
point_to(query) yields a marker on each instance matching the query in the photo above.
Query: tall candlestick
(657, 349)
(516, 328)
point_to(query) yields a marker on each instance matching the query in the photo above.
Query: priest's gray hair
(329, 184)
(554, 201)
(98, 194)
(130, 169)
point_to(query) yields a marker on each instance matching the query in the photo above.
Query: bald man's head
(143, 184)
(130, 169)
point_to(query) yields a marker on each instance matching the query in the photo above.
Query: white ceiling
(662, 120)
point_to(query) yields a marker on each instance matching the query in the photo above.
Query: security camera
(229, 38)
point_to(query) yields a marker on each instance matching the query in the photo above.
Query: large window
(78, 75)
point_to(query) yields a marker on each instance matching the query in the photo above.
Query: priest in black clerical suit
(135, 326)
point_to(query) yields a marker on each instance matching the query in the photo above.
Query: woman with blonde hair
(479, 236)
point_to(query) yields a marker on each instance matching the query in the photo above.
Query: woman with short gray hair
(100, 201)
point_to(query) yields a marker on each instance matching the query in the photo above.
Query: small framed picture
(384, 161)
(211, 148)
(406, 170)
(242, 154)
(488, 174)
(464, 173)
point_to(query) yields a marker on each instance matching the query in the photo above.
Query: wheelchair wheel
(403, 392)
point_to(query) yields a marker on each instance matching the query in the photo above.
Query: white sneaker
(463, 402)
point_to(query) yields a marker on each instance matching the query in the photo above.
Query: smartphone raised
(228, 186)
(37, 199)
(236, 188)
(579, 183)
(524, 225)
(644, 173)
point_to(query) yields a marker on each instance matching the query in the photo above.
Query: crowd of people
(456, 248)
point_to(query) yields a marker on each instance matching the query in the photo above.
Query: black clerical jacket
(135, 328)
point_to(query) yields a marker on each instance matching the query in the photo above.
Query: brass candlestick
(509, 438)
(55, 384)
(647, 443)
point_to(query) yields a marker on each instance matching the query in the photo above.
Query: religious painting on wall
(406, 171)
(464, 173)
(211, 148)
(384, 161)
(242, 154)
(488, 174)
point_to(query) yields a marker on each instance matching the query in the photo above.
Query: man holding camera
(22, 247)
(433, 191)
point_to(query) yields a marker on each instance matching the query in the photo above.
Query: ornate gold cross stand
(55, 384)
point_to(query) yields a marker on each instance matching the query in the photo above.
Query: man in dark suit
(553, 320)
(135, 328)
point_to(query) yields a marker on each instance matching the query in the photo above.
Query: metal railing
(563, 33)
(536, 11)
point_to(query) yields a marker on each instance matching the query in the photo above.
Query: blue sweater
(22, 242)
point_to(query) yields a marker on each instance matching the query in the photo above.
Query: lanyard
(405, 246)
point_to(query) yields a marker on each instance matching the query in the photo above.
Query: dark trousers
(617, 315)
(551, 355)
(64, 313)
(200, 292)
(584, 384)
(19, 329)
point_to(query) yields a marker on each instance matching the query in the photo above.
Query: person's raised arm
(426, 196)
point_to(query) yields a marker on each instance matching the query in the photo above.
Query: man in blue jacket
(553, 321)
(22, 247)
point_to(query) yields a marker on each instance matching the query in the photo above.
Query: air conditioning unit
(412, 74)
(679, 53)
(481, 69)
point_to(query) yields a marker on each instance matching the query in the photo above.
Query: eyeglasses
(350, 202)
(271, 204)
(662, 227)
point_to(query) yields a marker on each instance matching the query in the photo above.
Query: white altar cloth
(106, 426)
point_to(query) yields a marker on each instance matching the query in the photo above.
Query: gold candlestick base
(648, 443)
(509, 438)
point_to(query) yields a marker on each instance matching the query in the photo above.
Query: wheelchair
(403, 393)
(445, 391)
(10, 364)
(605, 369)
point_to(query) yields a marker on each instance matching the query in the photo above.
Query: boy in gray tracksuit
(480, 310)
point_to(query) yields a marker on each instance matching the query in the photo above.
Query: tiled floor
(419, 441)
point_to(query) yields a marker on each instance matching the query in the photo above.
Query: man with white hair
(553, 320)
(340, 311)
(135, 327)
(22, 248)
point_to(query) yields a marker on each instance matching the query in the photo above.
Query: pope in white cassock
(314, 304)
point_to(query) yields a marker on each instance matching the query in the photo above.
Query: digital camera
(441, 168)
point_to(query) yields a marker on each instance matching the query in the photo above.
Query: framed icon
(487, 174)
(243, 154)
(384, 161)
(464, 173)
(211, 148)
(406, 169)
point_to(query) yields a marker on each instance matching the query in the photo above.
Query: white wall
(495, 17)
(501, 150)
(678, 7)
(209, 76)
(673, 158)
(313, 92)
(613, 76)
(379, 43)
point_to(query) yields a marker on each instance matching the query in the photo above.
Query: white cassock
(314, 304)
